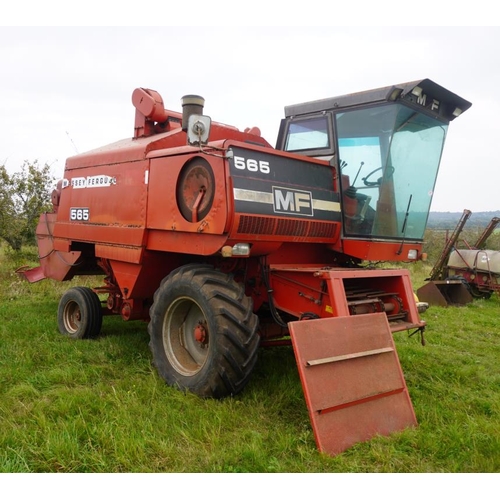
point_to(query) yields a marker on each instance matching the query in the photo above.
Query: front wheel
(203, 332)
(79, 313)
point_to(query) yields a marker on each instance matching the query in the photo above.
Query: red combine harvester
(224, 244)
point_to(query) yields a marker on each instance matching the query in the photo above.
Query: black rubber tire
(197, 299)
(79, 314)
(479, 294)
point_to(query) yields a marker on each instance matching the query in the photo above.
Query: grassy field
(99, 406)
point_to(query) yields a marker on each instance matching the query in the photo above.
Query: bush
(24, 195)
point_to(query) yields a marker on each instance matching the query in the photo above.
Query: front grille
(256, 225)
(286, 227)
(292, 227)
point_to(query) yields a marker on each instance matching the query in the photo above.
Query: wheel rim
(186, 336)
(72, 317)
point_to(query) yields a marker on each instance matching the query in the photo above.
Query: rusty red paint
(358, 393)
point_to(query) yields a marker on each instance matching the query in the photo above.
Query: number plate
(79, 214)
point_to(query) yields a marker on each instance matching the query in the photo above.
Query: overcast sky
(66, 90)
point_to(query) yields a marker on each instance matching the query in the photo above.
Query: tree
(24, 195)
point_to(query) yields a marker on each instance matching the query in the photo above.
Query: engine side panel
(168, 229)
(104, 205)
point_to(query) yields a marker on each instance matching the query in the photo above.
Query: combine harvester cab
(224, 244)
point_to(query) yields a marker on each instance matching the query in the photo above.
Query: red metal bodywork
(140, 208)
(352, 380)
(334, 292)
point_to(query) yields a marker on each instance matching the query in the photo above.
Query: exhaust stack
(191, 105)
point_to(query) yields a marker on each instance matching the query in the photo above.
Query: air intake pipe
(191, 105)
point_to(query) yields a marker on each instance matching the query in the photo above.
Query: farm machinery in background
(225, 244)
(461, 275)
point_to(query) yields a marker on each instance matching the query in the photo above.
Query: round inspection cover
(195, 186)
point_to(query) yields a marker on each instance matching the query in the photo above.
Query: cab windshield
(389, 158)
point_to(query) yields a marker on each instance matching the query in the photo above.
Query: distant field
(448, 220)
(99, 405)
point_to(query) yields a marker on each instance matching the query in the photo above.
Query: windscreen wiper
(403, 228)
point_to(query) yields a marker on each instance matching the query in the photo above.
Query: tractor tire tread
(237, 339)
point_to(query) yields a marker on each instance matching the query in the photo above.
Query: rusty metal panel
(352, 379)
(445, 293)
(32, 275)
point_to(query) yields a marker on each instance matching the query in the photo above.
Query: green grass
(99, 405)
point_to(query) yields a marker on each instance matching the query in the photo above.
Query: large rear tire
(79, 313)
(203, 332)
